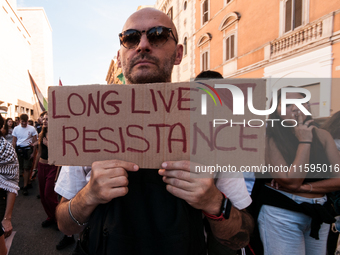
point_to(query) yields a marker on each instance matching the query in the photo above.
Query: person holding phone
(292, 218)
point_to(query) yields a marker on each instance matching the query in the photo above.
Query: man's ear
(179, 54)
(119, 64)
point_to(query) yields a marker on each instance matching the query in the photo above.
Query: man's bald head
(152, 14)
(149, 62)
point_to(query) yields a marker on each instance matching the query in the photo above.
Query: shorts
(25, 163)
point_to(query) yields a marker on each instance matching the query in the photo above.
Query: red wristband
(214, 217)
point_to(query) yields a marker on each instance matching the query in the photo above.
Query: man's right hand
(109, 179)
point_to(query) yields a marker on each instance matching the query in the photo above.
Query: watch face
(225, 208)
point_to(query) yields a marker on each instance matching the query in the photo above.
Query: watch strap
(225, 210)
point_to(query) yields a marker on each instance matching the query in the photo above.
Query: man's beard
(162, 74)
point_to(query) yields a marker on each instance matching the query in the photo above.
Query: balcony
(310, 34)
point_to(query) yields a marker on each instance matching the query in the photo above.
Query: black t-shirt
(44, 151)
(148, 220)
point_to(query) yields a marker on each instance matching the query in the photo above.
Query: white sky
(85, 35)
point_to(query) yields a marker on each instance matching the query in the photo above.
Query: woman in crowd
(8, 129)
(292, 218)
(9, 180)
(46, 176)
(332, 125)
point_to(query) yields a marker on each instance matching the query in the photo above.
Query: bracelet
(213, 217)
(305, 142)
(311, 187)
(71, 215)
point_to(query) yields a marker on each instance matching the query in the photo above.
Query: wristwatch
(225, 207)
(224, 211)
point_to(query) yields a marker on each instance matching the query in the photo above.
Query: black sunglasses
(157, 36)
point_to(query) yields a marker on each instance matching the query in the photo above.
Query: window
(185, 5)
(17, 108)
(185, 46)
(170, 14)
(32, 112)
(229, 27)
(203, 44)
(229, 20)
(293, 14)
(230, 47)
(22, 109)
(205, 11)
(205, 61)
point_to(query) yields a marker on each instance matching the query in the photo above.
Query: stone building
(262, 39)
(273, 39)
(25, 45)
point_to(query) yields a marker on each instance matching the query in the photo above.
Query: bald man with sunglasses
(126, 210)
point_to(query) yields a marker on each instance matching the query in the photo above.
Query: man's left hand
(200, 193)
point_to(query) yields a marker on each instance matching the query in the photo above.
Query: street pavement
(30, 237)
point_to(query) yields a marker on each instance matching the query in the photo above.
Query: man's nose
(144, 44)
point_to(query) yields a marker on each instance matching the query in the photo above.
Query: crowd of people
(119, 208)
(29, 152)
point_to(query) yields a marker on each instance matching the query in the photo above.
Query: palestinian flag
(42, 101)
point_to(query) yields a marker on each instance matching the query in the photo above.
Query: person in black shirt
(160, 212)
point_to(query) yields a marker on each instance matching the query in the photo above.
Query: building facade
(25, 46)
(298, 40)
(273, 39)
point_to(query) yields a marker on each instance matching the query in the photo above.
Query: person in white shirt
(23, 137)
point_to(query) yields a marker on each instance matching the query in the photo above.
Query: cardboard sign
(146, 124)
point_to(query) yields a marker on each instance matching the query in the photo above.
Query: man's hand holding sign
(109, 179)
(200, 193)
